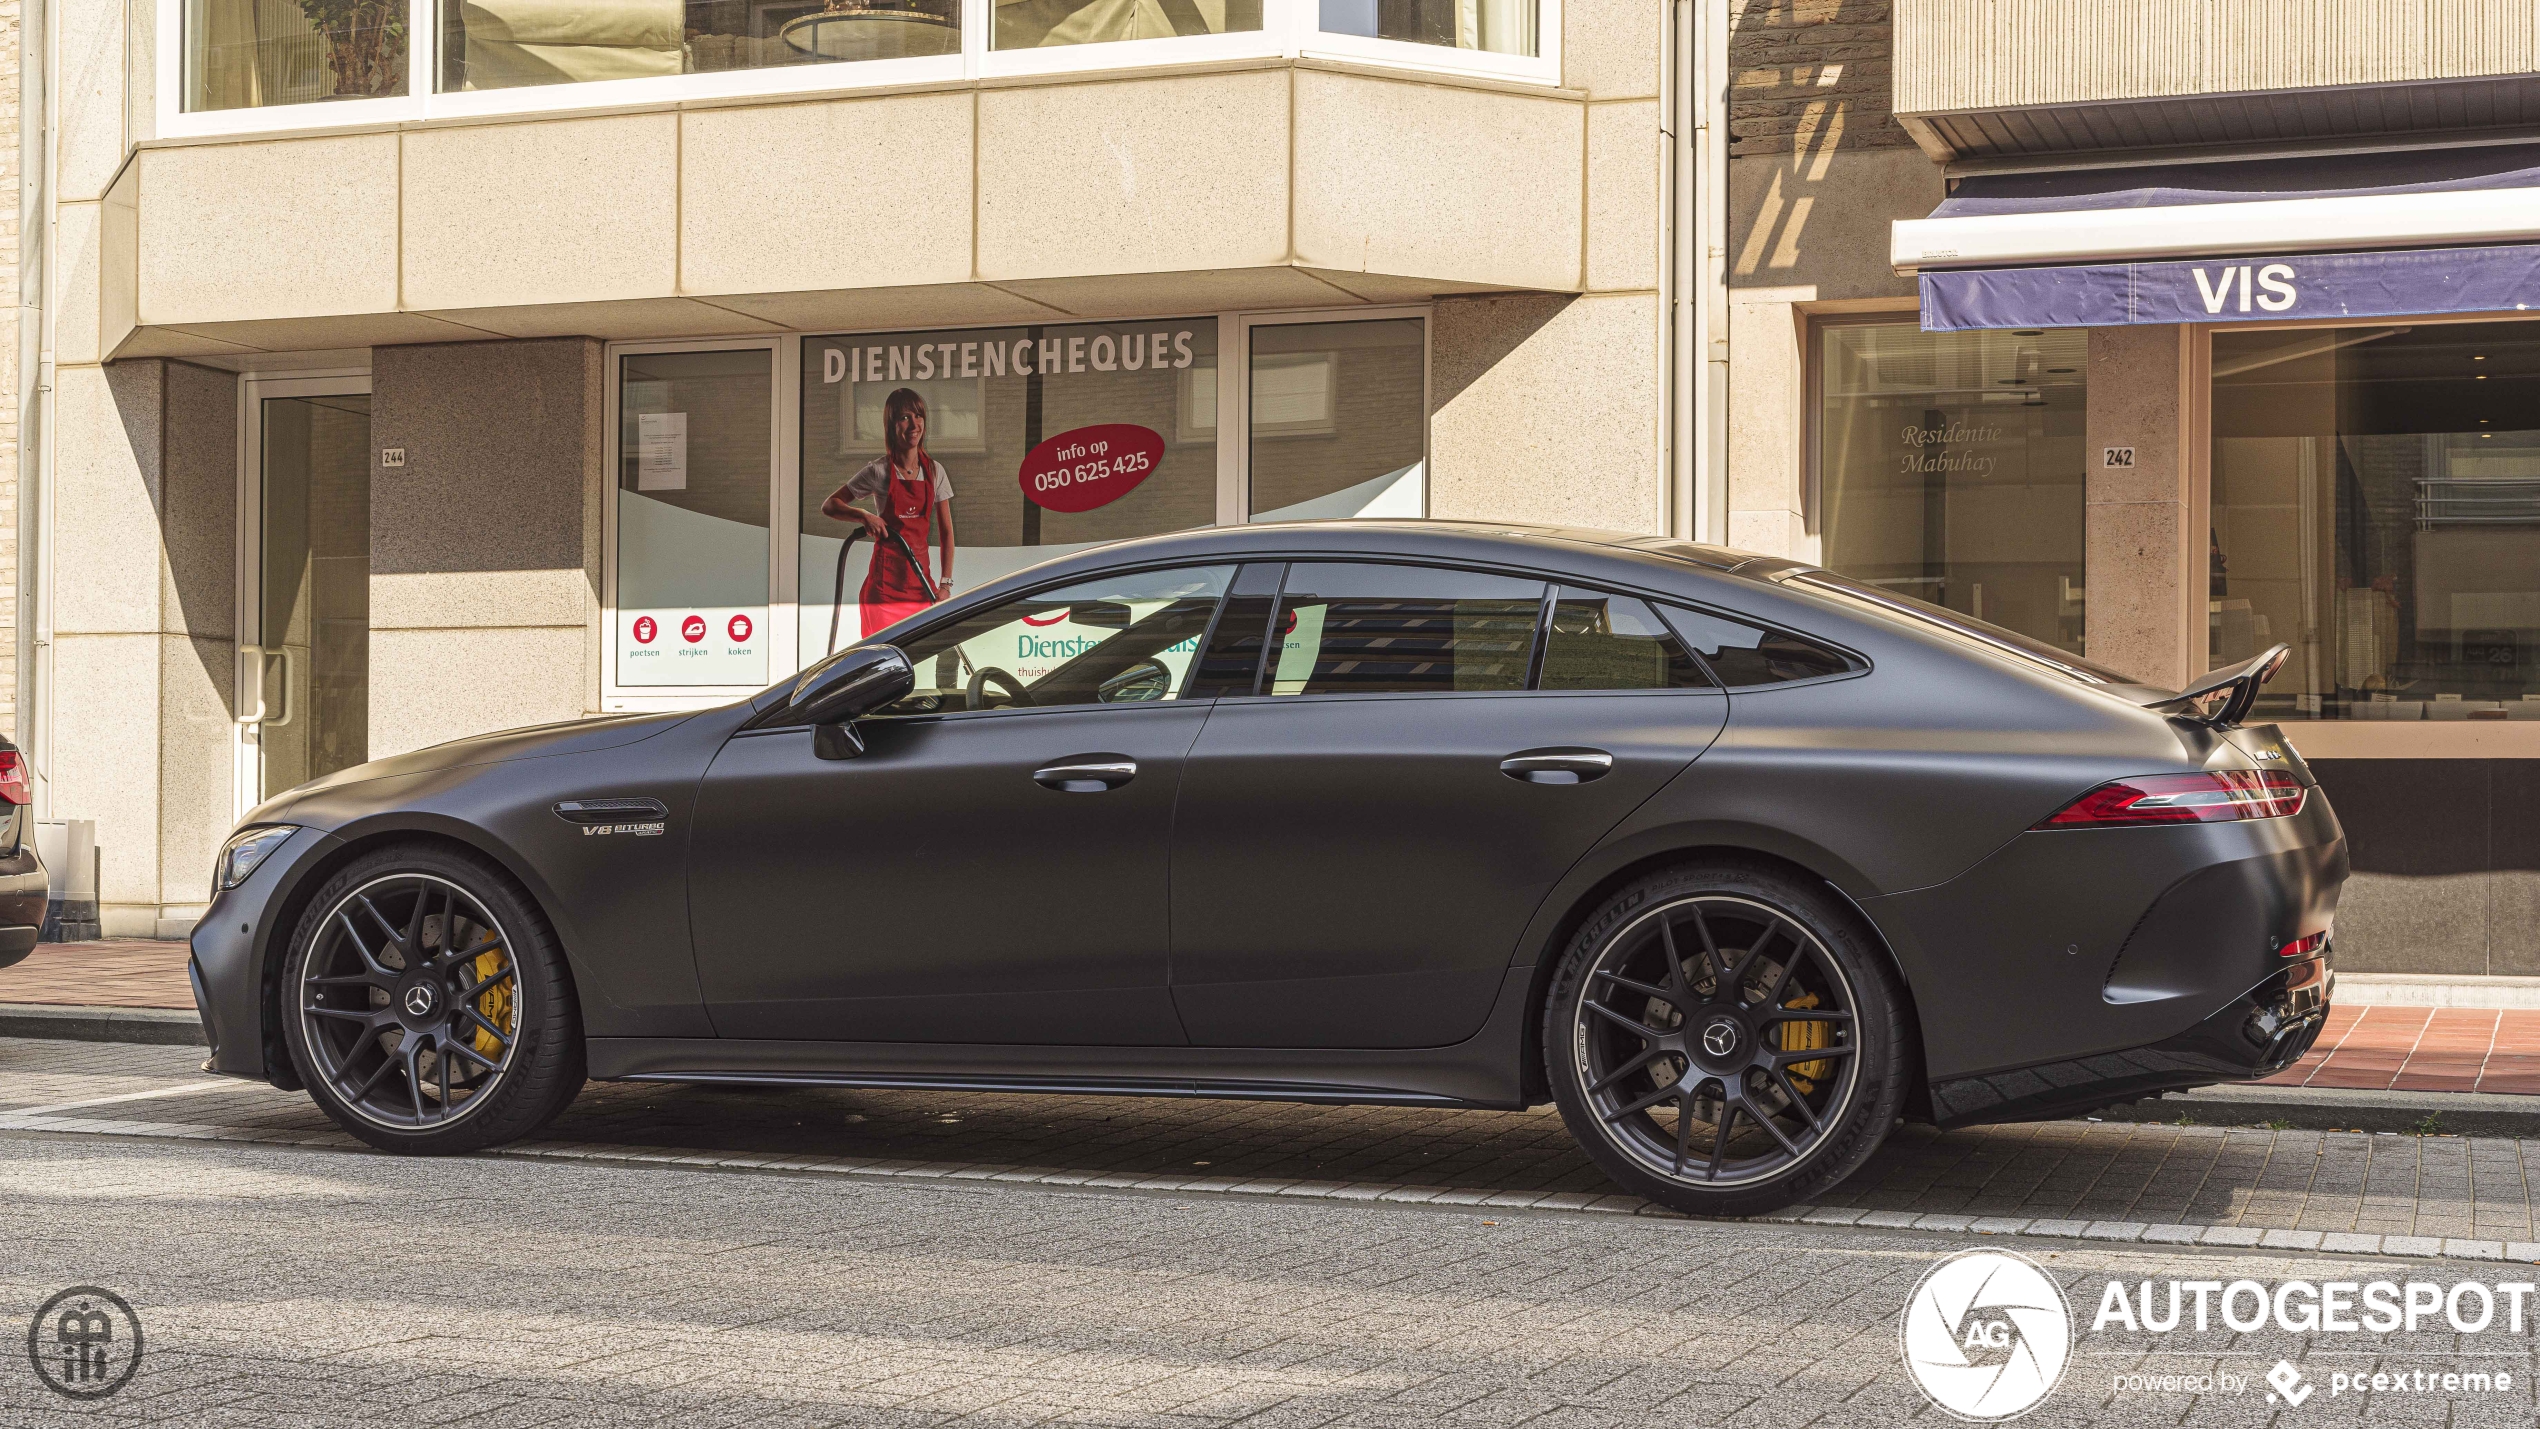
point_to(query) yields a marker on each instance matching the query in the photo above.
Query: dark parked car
(1736, 860)
(23, 883)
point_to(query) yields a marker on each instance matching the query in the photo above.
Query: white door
(303, 707)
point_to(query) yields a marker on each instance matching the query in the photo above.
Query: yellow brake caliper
(1806, 1037)
(496, 1006)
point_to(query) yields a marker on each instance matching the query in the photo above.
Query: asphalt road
(285, 1286)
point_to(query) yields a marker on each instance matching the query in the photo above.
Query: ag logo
(1986, 1335)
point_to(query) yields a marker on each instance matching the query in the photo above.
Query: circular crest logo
(85, 1343)
(1986, 1335)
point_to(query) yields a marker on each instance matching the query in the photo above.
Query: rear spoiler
(2237, 686)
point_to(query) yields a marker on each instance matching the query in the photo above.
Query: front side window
(1114, 640)
(249, 54)
(1507, 27)
(695, 463)
(509, 44)
(1613, 642)
(2376, 506)
(1348, 628)
(1949, 469)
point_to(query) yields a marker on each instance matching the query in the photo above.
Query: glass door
(304, 652)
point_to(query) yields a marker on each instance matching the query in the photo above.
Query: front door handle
(1087, 774)
(1557, 766)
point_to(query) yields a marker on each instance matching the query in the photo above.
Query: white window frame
(1289, 28)
(785, 353)
(784, 611)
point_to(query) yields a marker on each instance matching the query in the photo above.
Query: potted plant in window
(365, 44)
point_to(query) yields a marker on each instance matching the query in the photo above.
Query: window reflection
(247, 54)
(2376, 505)
(507, 44)
(1950, 469)
(1031, 24)
(1506, 27)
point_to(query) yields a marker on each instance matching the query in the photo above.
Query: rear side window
(1348, 628)
(1613, 642)
(1745, 655)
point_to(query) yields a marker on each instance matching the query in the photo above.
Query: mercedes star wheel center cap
(419, 1000)
(1720, 1038)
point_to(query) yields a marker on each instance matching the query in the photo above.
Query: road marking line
(182, 1090)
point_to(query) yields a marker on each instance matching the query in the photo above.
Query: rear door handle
(1557, 766)
(1087, 774)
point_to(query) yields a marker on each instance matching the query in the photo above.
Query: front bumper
(2259, 1034)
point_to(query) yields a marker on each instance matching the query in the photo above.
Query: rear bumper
(2067, 952)
(2258, 1034)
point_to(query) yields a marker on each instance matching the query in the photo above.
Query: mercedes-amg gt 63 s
(1736, 860)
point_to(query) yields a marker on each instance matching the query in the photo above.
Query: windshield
(1965, 629)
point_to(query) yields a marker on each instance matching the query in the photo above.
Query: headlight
(245, 850)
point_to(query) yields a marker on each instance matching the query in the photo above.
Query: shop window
(1339, 419)
(1033, 24)
(1949, 467)
(1507, 27)
(249, 54)
(1032, 442)
(2376, 506)
(695, 466)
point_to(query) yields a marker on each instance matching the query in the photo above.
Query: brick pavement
(103, 972)
(2447, 1049)
(2242, 1180)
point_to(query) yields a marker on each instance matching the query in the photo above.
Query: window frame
(784, 611)
(1289, 29)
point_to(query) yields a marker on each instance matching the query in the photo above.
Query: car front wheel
(426, 1005)
(1726, 1040)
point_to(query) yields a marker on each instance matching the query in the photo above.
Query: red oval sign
(645, 630)
(693, 629)
(1090, 466)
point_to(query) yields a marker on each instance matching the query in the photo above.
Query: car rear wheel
(1726, 1040)
(426, 1006)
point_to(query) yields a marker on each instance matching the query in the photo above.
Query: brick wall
(1810, 75)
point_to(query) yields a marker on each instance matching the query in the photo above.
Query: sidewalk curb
(2343, 1109)
(154, 1026)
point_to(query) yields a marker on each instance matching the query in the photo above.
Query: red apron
(894, 590)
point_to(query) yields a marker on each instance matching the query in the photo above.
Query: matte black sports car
(1736, 860)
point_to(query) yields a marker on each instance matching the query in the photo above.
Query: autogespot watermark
(85, 1343)
(1988, 1335)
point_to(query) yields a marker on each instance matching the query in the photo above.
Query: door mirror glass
(850, 684)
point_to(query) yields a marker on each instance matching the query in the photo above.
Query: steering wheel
(1148, 679)
(979, 680)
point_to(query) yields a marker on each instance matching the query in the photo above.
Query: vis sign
(2323, 285)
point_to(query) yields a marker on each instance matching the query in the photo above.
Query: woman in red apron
(911, 502)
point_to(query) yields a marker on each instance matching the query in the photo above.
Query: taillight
(2217, 796)
(2304, 947)
(13, 786)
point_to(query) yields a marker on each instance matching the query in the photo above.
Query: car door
(1361, 841)
(992, 868)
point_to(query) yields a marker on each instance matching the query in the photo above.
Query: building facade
(402, 369)
(2166, 331)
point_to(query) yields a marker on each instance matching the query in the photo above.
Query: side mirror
(846, 687)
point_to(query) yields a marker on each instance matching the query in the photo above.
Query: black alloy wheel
(425, 1007)
(1726, 1041)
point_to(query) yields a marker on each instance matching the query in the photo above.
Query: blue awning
(2347, 236)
